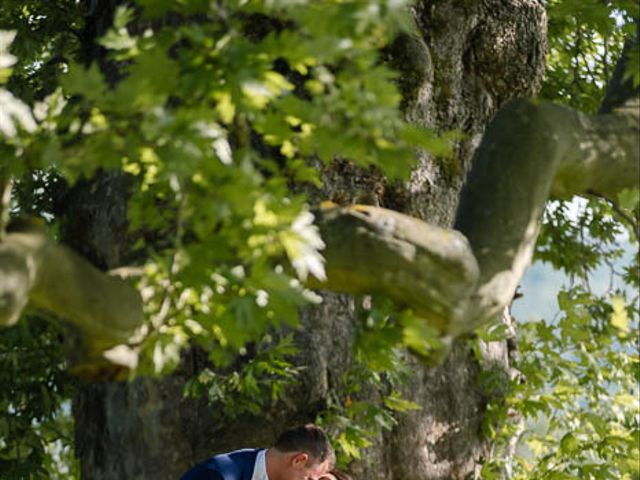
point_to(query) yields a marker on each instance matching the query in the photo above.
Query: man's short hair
(309, 439)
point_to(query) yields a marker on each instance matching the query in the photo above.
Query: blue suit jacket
(236, 465)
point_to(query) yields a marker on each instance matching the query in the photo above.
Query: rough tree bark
(472, 57)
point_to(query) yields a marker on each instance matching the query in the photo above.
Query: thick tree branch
(106, 311)
(530, 151)
(373, 250)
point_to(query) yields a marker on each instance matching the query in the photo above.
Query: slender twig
(633, 223)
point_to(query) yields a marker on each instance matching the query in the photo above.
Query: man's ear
(299, 459)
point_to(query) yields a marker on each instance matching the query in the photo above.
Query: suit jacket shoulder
(237, 465)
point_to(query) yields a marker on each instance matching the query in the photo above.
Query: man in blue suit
(302, 453)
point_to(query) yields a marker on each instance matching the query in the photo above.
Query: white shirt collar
(260, 467)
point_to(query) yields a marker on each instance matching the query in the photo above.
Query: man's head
(302, 453)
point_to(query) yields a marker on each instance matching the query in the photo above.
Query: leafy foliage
(572, 410)
(255, 387)
(380, 371)
(214, 115)
(216, 110)
(585, 41)
(215, 119)
(36, 437)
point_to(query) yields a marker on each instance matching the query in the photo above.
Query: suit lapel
(247, 471)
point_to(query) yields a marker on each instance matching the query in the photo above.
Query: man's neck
(271, 462)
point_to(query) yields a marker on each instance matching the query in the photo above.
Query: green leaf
(619, 317)
(14, 115)
(118, 40)
(493, 333)
(569, 444)
(396, 403)
(6, 59)
(152, 78)
(122, 16)
(156, 8)
(629, 198)
(88, 83)
(348, 447)
(419, 336)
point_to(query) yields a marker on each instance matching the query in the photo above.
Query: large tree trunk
(471, 57)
